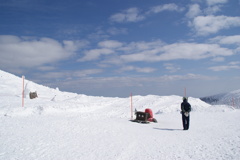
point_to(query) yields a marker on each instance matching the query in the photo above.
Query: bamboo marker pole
(185, 92)
(131, 106)
(23, 91)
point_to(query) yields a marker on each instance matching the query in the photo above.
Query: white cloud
(212, 9)
(218, 59)
(234, 63)
(171, 67)
(142, 46)
(227, 39)
(204, 22)
(189, 76)
(177, 51)
(30, 52)
(224, 68)
(214, 2)
(118, 53)
(74, 45)
(134, 14)
(205, 25)
(231, 65)
(117, 31)
(193, 51)
(194, 10)
(94, 54)
(46, 68)
(166, 7)
(68, 75)
(129, 15)
(87, 72)
(110, 44)
(137, 69)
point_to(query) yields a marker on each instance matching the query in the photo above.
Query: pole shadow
(168, 129)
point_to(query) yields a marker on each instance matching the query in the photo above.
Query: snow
(62, 125)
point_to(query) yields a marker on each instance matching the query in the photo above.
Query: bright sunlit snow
(61, 125)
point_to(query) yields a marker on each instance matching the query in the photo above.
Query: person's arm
(182, 107)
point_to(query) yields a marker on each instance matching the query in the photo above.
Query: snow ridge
(232, 99)
(52, 100)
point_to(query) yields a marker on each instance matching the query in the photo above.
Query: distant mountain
(231, 98)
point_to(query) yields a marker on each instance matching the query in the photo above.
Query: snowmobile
(144, 117)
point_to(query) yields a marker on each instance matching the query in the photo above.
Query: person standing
(185, 110)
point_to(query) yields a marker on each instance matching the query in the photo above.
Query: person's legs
(188, 122)
(184, 121)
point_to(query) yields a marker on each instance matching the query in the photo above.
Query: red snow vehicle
(150, 114)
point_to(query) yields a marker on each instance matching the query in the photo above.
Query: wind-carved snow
(62, 125)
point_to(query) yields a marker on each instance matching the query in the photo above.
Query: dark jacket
(185, 106)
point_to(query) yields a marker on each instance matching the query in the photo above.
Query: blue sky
(115, 47)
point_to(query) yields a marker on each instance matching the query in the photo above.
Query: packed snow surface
(61, 125)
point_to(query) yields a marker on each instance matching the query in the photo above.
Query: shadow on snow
(168, 129)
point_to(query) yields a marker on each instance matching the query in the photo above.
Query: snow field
(71, 136)
(61, 125)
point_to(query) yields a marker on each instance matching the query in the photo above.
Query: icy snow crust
(62, 125)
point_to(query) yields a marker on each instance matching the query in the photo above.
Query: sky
(117, 47)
